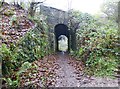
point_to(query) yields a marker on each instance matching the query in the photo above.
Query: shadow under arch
(61, 29)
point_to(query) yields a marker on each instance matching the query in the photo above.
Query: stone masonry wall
(54, 17)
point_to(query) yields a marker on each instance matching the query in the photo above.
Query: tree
(2, 1)
(110, 8)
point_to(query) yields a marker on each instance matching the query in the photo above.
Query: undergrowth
(96, 45)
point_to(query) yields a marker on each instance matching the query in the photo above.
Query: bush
(96, 44)
(33, 46)
(17, 58)
(101, 65)
(9, 12)
(8, 59)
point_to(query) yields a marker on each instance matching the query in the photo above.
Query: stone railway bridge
(58, 22)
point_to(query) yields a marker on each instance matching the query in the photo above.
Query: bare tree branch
(38, 2)
(33, 6)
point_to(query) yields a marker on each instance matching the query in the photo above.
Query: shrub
(18, 57)
(96, 44)
(33, 46)
(8, 58)
(9, 12)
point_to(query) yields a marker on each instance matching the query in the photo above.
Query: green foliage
(24, 67)
(33, 46)
(96, 44)
(40, 19)
(100, 65)
(30, 48)
(0, 4)
(13, 19)
(9, 12)
(8, 58)
(12, 83)
(18, 57)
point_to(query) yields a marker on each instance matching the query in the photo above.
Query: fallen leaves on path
(44, 75)
(41, 76)
(79, 66)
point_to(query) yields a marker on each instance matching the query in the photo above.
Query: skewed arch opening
(61, 30)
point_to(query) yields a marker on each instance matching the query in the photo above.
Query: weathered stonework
(54, 17)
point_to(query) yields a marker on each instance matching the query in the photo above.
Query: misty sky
(89, 6)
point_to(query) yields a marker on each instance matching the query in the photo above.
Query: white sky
(90, 6)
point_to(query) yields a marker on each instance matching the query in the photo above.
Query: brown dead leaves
(43, 75)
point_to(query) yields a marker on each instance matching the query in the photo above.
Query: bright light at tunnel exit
(62, 43)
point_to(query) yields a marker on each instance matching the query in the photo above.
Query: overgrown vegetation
(18, 57)
(96, 38)
(96, 43)
(31, 47)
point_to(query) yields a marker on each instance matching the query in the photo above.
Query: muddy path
(66, 73)
(68, 76)
(58, 70)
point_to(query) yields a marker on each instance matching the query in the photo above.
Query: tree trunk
(32, 11)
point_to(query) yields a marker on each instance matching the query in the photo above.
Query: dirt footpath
(67, 76)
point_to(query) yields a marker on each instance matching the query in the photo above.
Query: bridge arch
(61, 29)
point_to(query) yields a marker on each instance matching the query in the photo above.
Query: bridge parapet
(54, 16)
